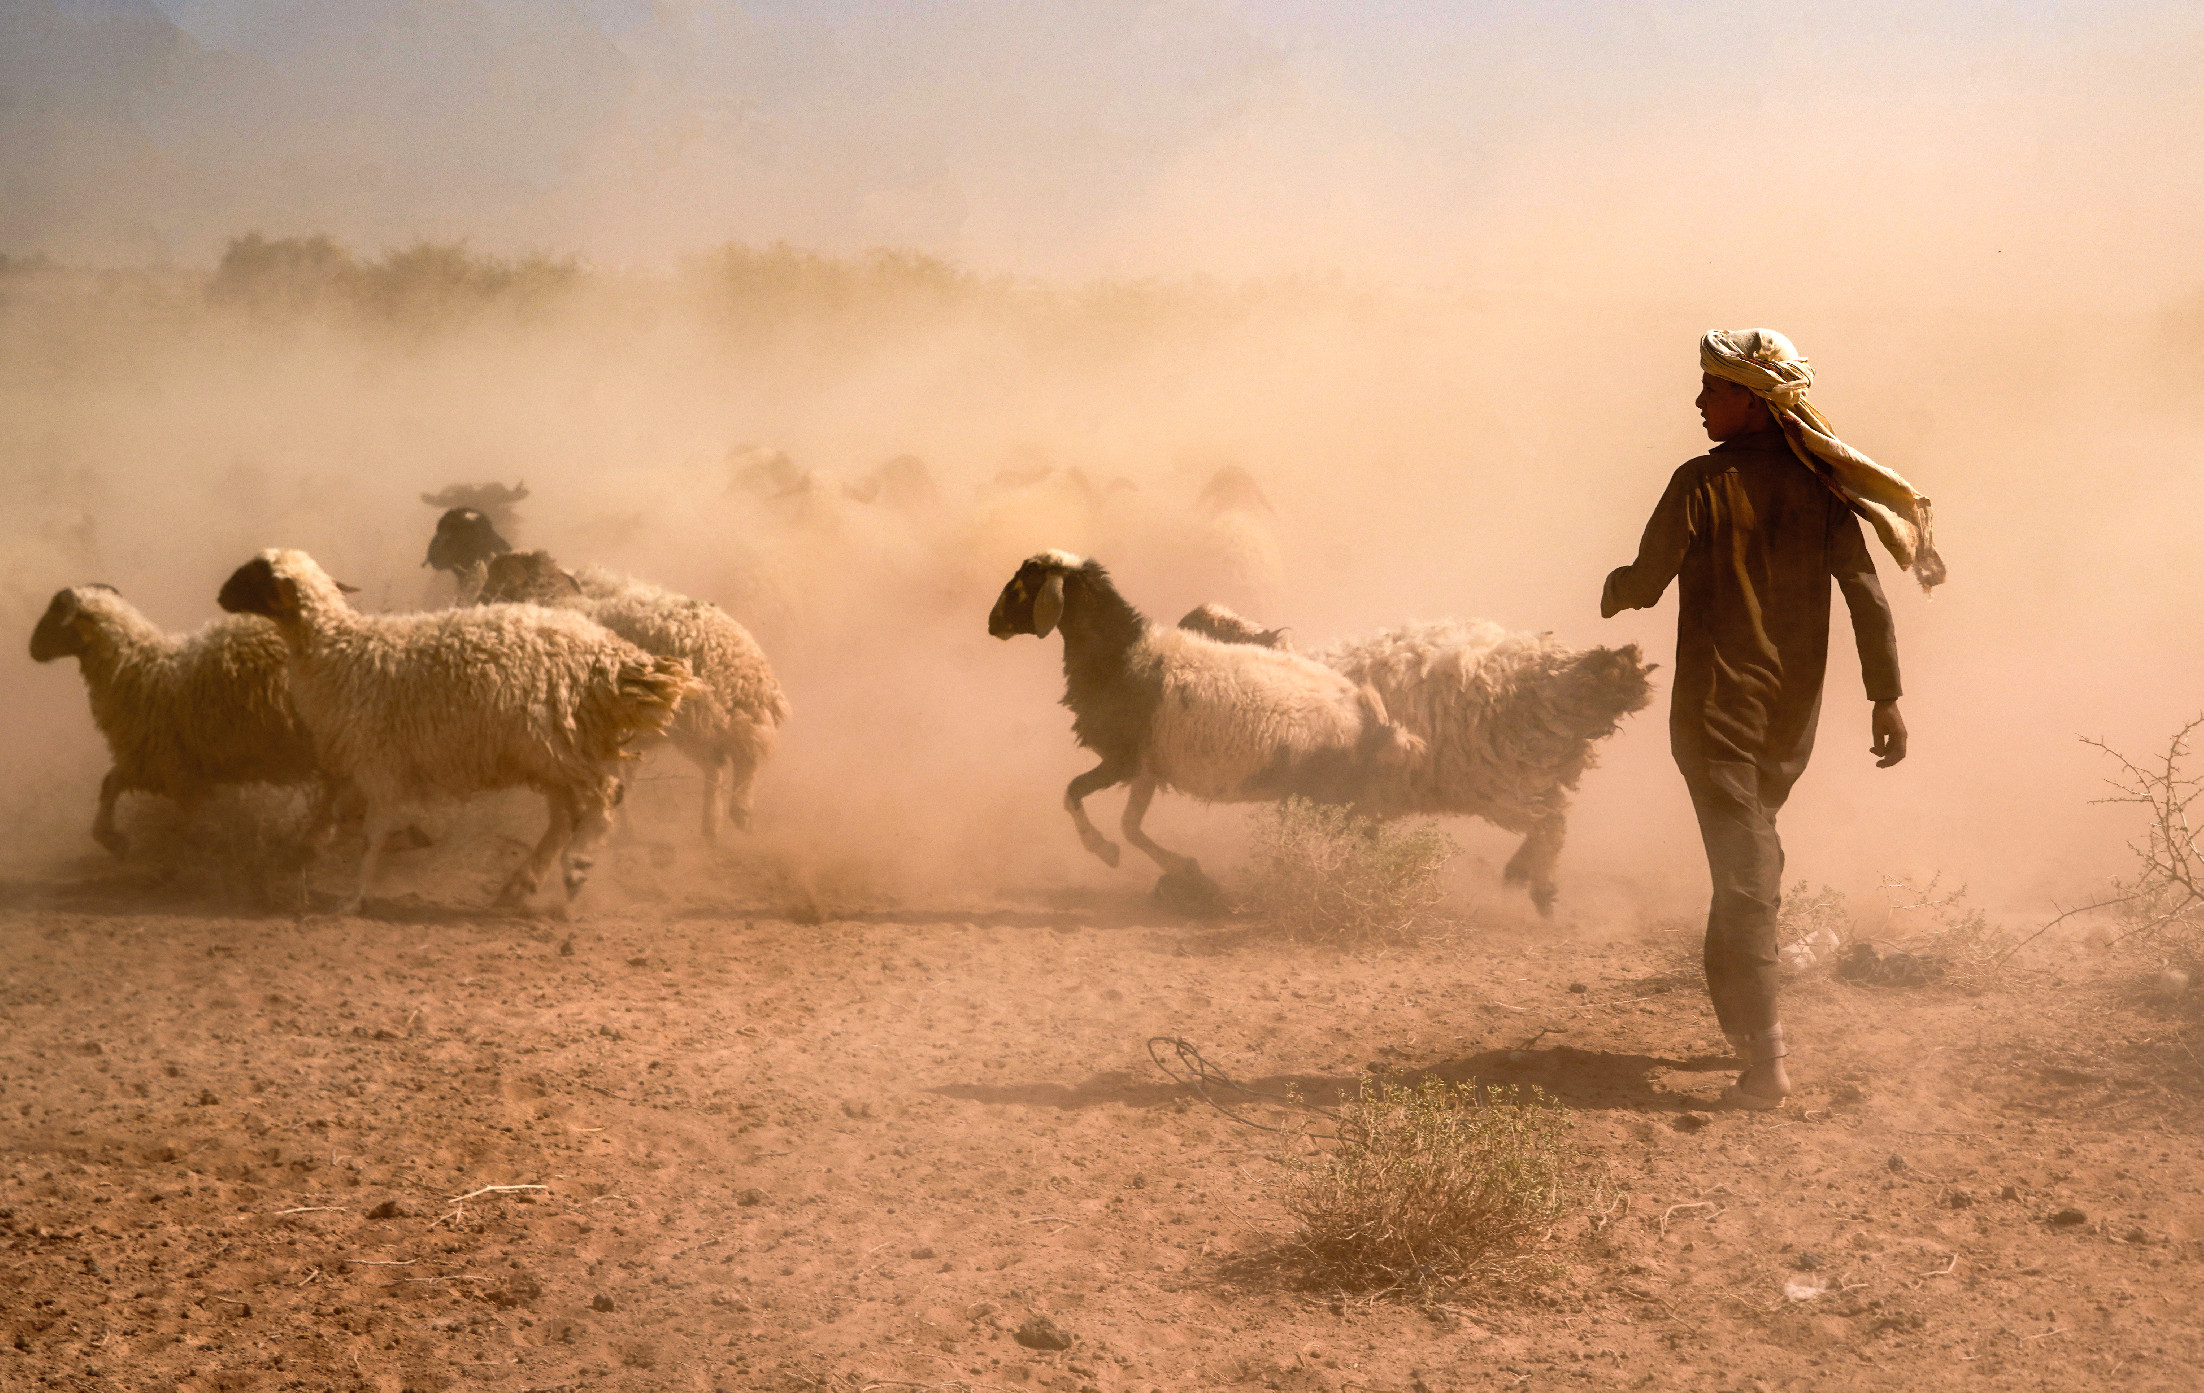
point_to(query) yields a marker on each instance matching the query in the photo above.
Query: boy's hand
(1890, 734)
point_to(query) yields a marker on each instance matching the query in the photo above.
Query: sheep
(495, 500)
(728, 729)
(465, 538)
(1215, 621)
(1238, 541)
(182, 714)
(1168, 708)
(409, 707)
(1507, 722)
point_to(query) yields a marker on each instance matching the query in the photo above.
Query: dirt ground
(738, 1152)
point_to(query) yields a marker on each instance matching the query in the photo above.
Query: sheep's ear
(287, 594)
(1048, 606)
(344, 589)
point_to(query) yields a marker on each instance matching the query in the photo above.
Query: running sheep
(727, 728)
(1506, 722)
(1168, 708)
(417, 707)
(182, 714)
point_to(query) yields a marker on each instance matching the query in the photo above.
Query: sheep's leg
(103, 823)
(1533, 862)
(1143, 793)
(594, 821)
(714, 770)
(1183, 886)
(741, 773)
(529, 873)
(383, 821)
(1075, 797)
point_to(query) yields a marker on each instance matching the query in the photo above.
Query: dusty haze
(1441, 305)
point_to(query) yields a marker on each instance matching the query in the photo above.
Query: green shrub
(1331, 874)
(1431, 1189)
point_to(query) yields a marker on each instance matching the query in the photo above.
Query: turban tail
(1765, 364)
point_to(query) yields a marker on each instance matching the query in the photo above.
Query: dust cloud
(1452, 346)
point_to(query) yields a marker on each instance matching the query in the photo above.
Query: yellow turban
(1764, 363)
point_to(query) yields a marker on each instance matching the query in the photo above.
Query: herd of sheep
(551, 679)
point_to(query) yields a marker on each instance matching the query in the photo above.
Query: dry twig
(1695, 1204)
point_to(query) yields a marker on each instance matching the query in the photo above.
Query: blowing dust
(851, 451)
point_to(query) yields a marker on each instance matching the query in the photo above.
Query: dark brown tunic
(1756, 537)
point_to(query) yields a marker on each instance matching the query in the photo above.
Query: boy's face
(1729, 410)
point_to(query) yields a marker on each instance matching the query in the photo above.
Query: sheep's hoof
(577, 875)
(351, 908)
(1186, 890)
(1542, 897)
(1101, 846)
(116, 843)
(515, 891)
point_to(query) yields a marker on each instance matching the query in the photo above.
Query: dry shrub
(2161, 906)
(1939, 927)
(1812, 928)
(1331, 874)
(1431, 1189)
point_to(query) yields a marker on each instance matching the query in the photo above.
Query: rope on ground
(1183, 1064)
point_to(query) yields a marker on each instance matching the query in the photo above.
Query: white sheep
(728, 728)
(1506, 722)
(1168, 708)
(415, 707)
(182, 714)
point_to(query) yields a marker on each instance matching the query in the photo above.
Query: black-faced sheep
(465, 538)
(728, 728)
(500, 503)
(418, 707)
(1507, 722)
(182, 714)
(1167, 708)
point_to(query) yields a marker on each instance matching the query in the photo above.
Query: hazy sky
(1488, 141)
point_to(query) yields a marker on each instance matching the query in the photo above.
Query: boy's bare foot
(1762, 1087)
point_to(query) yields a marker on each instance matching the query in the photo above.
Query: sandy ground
(859, 1154)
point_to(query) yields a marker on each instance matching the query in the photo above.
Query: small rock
(2010, 1192)
(389, 1209)
(1692, 1121)
(2136, 1235)
(207, 1098)
(600, 1302)
(1896, 1162)
(91, 1047)
(982, 1311)
(2067, 1218)
(749, 1199)
(1806, 1260)
(638, 962)
(1960, 1199)
(566, 946)
(923, 1254)
(1579, 988)
(1039, 1332)
(1848, 1094)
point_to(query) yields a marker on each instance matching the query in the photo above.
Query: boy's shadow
(1578, 1079)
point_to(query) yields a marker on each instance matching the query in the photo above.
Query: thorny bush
(1334, 875)
(2162, 903)
(1432, 1189)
